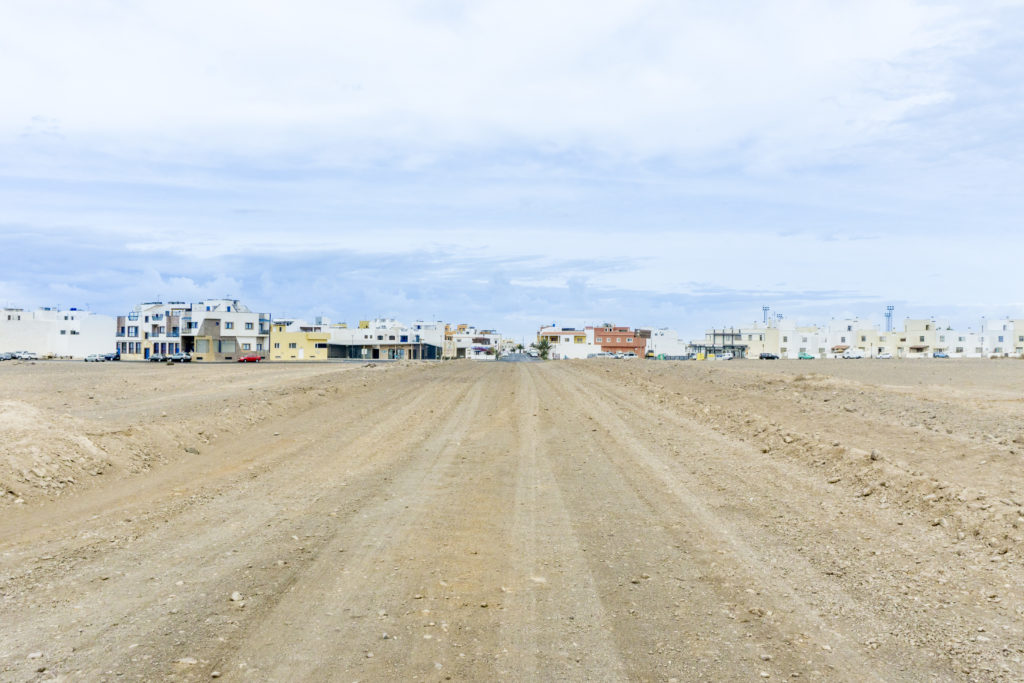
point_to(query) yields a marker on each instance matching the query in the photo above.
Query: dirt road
(599, 520)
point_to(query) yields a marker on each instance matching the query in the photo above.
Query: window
(391, 337)
(259, 347)
(1000, 337)
(629, 340)
(292, 345)
(63, 331)
(921, 337)
(598, 340)
(618, 339)
(785, 339)
(248, 326)
(277, 345)
(863, 338)
(229, 326)
(320, 345)
(245, 347)
(842, 339)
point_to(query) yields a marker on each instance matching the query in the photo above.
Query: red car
(249, 359)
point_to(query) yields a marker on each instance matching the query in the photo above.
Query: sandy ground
(594, 520)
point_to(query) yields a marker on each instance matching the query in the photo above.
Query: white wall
(40, 331)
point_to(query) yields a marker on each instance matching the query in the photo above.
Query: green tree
(543, 347)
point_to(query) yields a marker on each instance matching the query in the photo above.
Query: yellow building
(291, 340)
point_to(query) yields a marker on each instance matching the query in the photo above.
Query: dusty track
(606, 520)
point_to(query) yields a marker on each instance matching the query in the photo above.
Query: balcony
(133, 316)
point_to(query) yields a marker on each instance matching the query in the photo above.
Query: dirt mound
(43, 453)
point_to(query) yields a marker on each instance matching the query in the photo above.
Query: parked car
(157, 358)
(803, 355)
(725, 356)
(26, 355)
(768, 356)
(95, 358)
(853, 353)
(940, 354)
(6, 356)
(885, 355)
(180, 357)
(250, 359)
(114, 355)
(630, 354)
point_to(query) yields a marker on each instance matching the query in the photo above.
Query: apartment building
(224, 330)
(210, 330)
(617, 339)
(719, 342)
(56, 332)
(996, 338)
(665, 343)
(569, 342)
(466, 341)
(1017, 335)
(153, 327)
(293, 340)
(387, 339)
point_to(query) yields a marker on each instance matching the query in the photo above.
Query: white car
(630, 354)
(885, 355)
(725, 356)
(95, 358)
(853, 353)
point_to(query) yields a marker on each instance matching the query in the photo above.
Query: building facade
(56, 332)
(210, 330)
(387, 339)
(293, 340)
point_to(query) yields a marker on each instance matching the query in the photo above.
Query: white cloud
(334, 81)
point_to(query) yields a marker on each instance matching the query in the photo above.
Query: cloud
(337, 82)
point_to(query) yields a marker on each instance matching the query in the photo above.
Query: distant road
(518, 358)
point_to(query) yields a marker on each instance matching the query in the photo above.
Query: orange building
(621, 339)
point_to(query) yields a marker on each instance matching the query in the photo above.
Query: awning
(840, 347)
(919, 348)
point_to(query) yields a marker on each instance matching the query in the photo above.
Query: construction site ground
(601, 520)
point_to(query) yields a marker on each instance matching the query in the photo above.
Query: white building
(465, 341)
(70, 333)
(996, 338)
(567, 343)
(387, 339)
(209, 330)
(666, 342)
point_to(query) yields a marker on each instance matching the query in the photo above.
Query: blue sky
(511, 164)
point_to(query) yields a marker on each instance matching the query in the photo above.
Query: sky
(652, 163)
